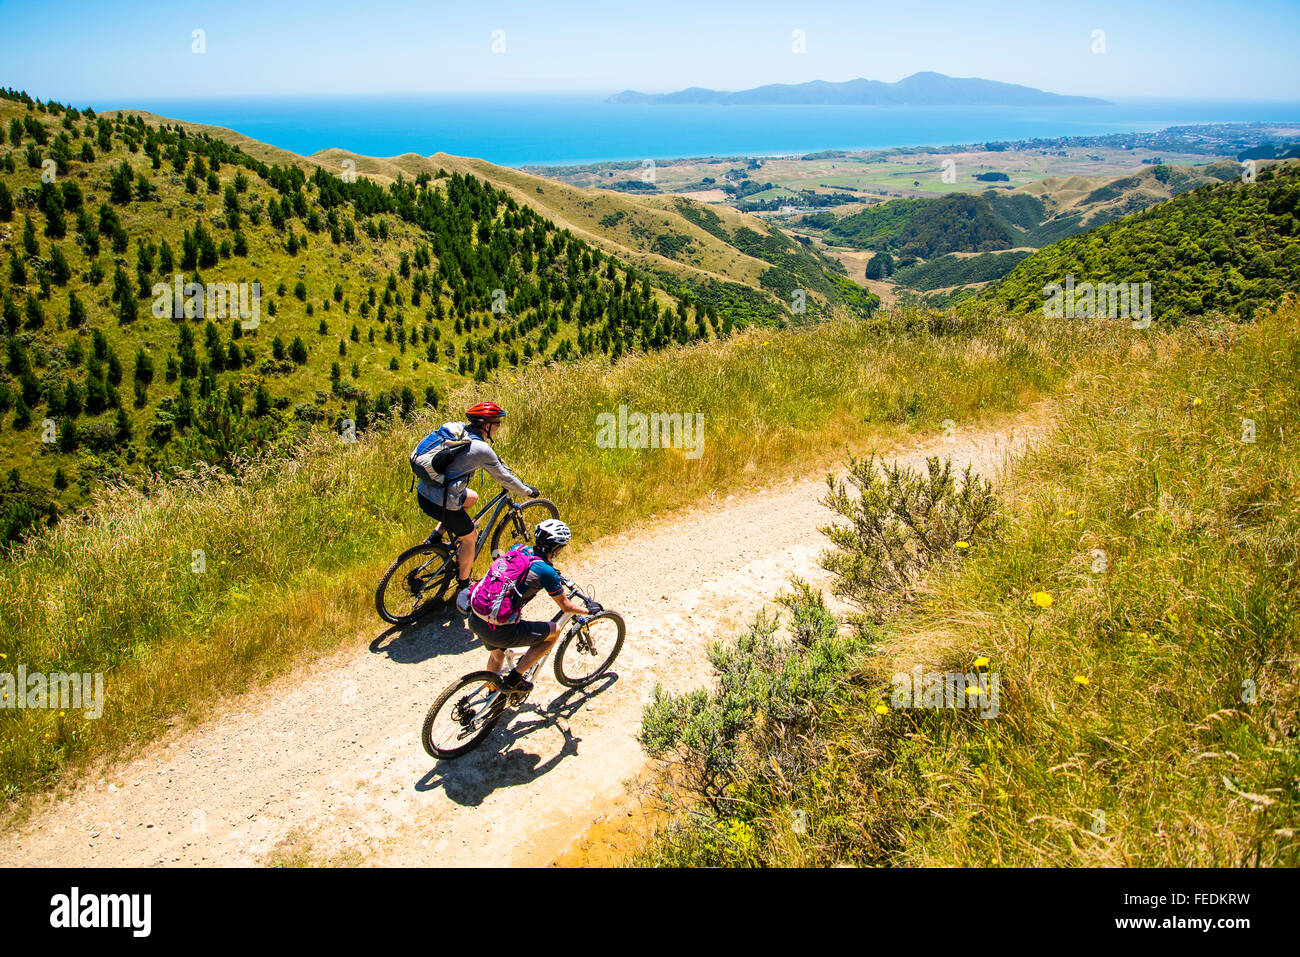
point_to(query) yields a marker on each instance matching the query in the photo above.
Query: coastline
(568, 130)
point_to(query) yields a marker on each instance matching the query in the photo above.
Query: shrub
(767, 695)
(901, 522)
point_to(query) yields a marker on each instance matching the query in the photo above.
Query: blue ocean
(566, 129)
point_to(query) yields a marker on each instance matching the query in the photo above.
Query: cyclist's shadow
(496, 764)
(438, 633)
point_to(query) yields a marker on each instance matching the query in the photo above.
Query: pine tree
(22, 415)
(35, 314)
(143, 371)
(30, 244)
(71, 399)
(119, 189)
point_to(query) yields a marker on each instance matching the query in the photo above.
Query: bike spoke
(424, 578)
(516, 528)
(590, 651)
(462, 717)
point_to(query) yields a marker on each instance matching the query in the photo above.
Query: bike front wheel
(516, 527)
(464, 714)
(419, 580)
(589, 649)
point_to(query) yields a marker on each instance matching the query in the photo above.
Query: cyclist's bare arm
(567, 604)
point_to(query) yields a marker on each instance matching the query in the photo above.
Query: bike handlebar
(572, 587)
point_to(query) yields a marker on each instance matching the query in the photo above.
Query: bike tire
(433, 594)
(444, 700)
(507, 522)
(573, 681)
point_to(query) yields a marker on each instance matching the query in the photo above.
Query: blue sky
(105, 53)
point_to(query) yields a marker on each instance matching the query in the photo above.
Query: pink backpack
(496, 598)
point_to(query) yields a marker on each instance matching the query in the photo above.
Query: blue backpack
(432, 458)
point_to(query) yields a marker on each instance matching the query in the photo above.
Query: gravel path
(331, 757)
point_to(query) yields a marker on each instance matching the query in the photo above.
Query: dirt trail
(332, 754)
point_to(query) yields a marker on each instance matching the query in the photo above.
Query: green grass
(1229, 247)
(293, 547)
(1148, 711)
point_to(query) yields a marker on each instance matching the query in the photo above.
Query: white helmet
(550, 535)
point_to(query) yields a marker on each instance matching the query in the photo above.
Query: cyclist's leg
(465, 557)
(534, 653)
(496, 638)
(465, 547)
(433, 511)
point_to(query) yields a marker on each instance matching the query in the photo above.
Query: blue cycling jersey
(540, 576)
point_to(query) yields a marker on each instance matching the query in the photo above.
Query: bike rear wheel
(463, 715)
(419, 580)
(589, 649)
(516, 526)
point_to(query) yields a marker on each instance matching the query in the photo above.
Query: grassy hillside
(747, 280)
(952, 270)
(1130, 589)
(1231, 247)
(1030, 216)
(920, 227)
(292, 547)
(1146, 711)
(644, 230)
(375, 293)
(1074, 204)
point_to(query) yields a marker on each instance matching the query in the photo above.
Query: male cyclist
(451, 506)
(549, 538)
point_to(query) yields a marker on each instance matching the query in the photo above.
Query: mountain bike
(423, 578)
(470, 707)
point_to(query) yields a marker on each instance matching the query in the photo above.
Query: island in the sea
(919, 89)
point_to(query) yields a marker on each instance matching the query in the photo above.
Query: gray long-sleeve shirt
(479, 455)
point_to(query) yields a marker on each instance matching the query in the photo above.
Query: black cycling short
(456, 523)
(522, 634)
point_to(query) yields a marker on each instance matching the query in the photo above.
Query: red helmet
(485, 412)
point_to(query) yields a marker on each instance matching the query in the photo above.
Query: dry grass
(293, 548)
(1148, 713)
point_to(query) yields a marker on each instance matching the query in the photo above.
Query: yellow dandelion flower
(981, 662)
(1081, 680)
(1196, 401)
(1070, 513)
(963, 544)
(1042, 599)
(881, 709)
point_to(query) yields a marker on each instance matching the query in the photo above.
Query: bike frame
(496, 504)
